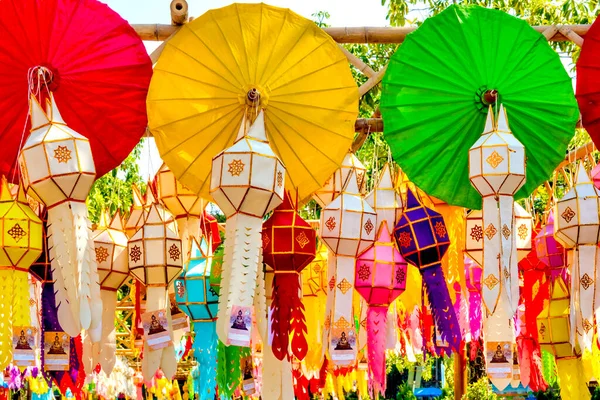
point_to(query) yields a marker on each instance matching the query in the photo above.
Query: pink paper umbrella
(380, 279)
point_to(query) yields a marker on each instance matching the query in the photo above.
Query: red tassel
(301, 384)
(299, 343)
(280, 316)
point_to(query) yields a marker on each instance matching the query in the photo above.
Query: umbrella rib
(274, 79)
(259, 41)
(273, 47)
(244, 42)
(201, 130)
(301, 137)
(307, 75)
(195, 116)
(232, 134)
(337, 110)
(274, 144)
(403, 85)
(272, 96)
(436, 75)
(205, 66)
(66, 28)
(195, 80)
(305, 120)
(87, 61)
(239, 67)
(289, 50)
(211, 52)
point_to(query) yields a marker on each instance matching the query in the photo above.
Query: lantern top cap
(352, 185)
(582, 175)
(21, 197)
(138, 201)
(255, 131)
(383, 234)
(411, 199)
(4, 191)
(496, 124)
(39, 117)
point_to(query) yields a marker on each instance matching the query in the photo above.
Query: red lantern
(210, 230)
(289, 244)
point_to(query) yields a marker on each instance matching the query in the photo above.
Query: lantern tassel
(6, 295)
(299, 343)
(572, 383)
(376, 337)
(168, 360)
(205, 351)
(64, 270)
(281, 314)
(475, 314)
(441, 305)
(156, 300)
(96, 306)
(108, 345)
(82, 245)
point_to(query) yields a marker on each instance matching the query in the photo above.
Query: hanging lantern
(384, 199)
(139, 209)
(347, 227)
(473, 273)
(110, 247)
(523, 230)
(289, 245)
(57, 168)
(497, 171)
(422, 239)
(155, 259)
(380, 277)
(186, 206)
(474, 236)
(21, 245)
(338, 181)
(577, 226)
(209, 227)
(247, 182)
(314, 297)
(550, 252)
(200, 302)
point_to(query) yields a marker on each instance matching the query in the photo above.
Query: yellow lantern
(57, 168)
(338, 181)
(110, 247)
(21, 235)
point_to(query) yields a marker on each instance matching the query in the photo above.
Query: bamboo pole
(159, 32)
(357, 62)
(571, 35)
(179, 12)
(372, 82)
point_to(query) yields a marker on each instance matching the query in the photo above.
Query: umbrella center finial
(490, 97)
(41, 77)
(253, 97)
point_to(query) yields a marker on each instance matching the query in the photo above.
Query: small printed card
(240, 325)
(343, 345)
(499, 360)
(248, 382)
(57, 346)
(179, 320)
(23, 346)
(156, 329)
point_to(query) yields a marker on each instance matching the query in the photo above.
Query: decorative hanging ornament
(347, 227)
(57, 168)
(155, 259)
(289, 245)
(200, 302)
(110, 247)
(339, 179)
(577, 226)
(380, 277)
(422, 239)
(384, 199)
(186, 206)
(497, 171)
(247, 182)
(21, 244)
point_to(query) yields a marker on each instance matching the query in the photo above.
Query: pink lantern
(595, 173)
(549, 251)
(380, 277)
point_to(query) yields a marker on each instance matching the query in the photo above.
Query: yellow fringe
(314, 306)
(20, 304)
(6, 333)
(453, 262)
(572, 383)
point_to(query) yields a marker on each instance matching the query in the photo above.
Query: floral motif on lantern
(368, 226)
(490, 231)
(477, 233)
(332, 283)
(364, 272)
(174, 252)
(342, 323)
(506, 231)
(491, 281)
(568, 214)
(586, 281)
(440, 229)
(494, 159)
(400, 275)
(330, 223)
(404, 239)
(135, 254)
(279, 178)
(101, 254)
(344, 286)
(302, 240)
(586, 325)
(542, 329)
(17, 233)
(265, 240)
(236, 167)
(522, 231)
(62, 154)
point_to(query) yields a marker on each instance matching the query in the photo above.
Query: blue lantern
(200, 302)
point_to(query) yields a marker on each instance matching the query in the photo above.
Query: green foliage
(401, 363)
(480, 390)
(405, 393)
(448, 389)
(113, 191)
(320, 18)
(552, 393)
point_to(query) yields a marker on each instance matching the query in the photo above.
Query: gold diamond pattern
(17, 233)
(62, 154)
(332, 283)
(522, 231)
(490, 231)
(494, 159)
(302, 240)
(586, 325)
(279, 178)
(236, 167)
(330, 223)
(586, 281)
(342, 324)
(491, 281)
(506, 231)
(344, 286)
(542, 329)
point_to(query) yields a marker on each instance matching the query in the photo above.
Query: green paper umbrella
(438, 87)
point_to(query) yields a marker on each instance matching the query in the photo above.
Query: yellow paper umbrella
(240, 59)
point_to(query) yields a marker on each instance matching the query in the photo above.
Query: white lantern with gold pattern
(247, 182)
(57, 168)
(339, 179)
(384, 199)
(577, 226)
(497, 171)
(110, 247)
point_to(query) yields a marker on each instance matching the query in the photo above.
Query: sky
(342, 13)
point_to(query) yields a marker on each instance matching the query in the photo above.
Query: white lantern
(577, 225)
(384, 199)
(247, 182)
(474, 238)
(338, 181)
(57, 168)
(523, 229)
(497, 171)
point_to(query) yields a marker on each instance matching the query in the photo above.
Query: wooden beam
(368, 125)
(159, 32)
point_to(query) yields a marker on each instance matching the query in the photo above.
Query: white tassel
(96, 301)
(108, 346)
(155, 300)
(168, 361)
(83, 245)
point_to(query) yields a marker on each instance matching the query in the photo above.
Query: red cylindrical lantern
(289, 244)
